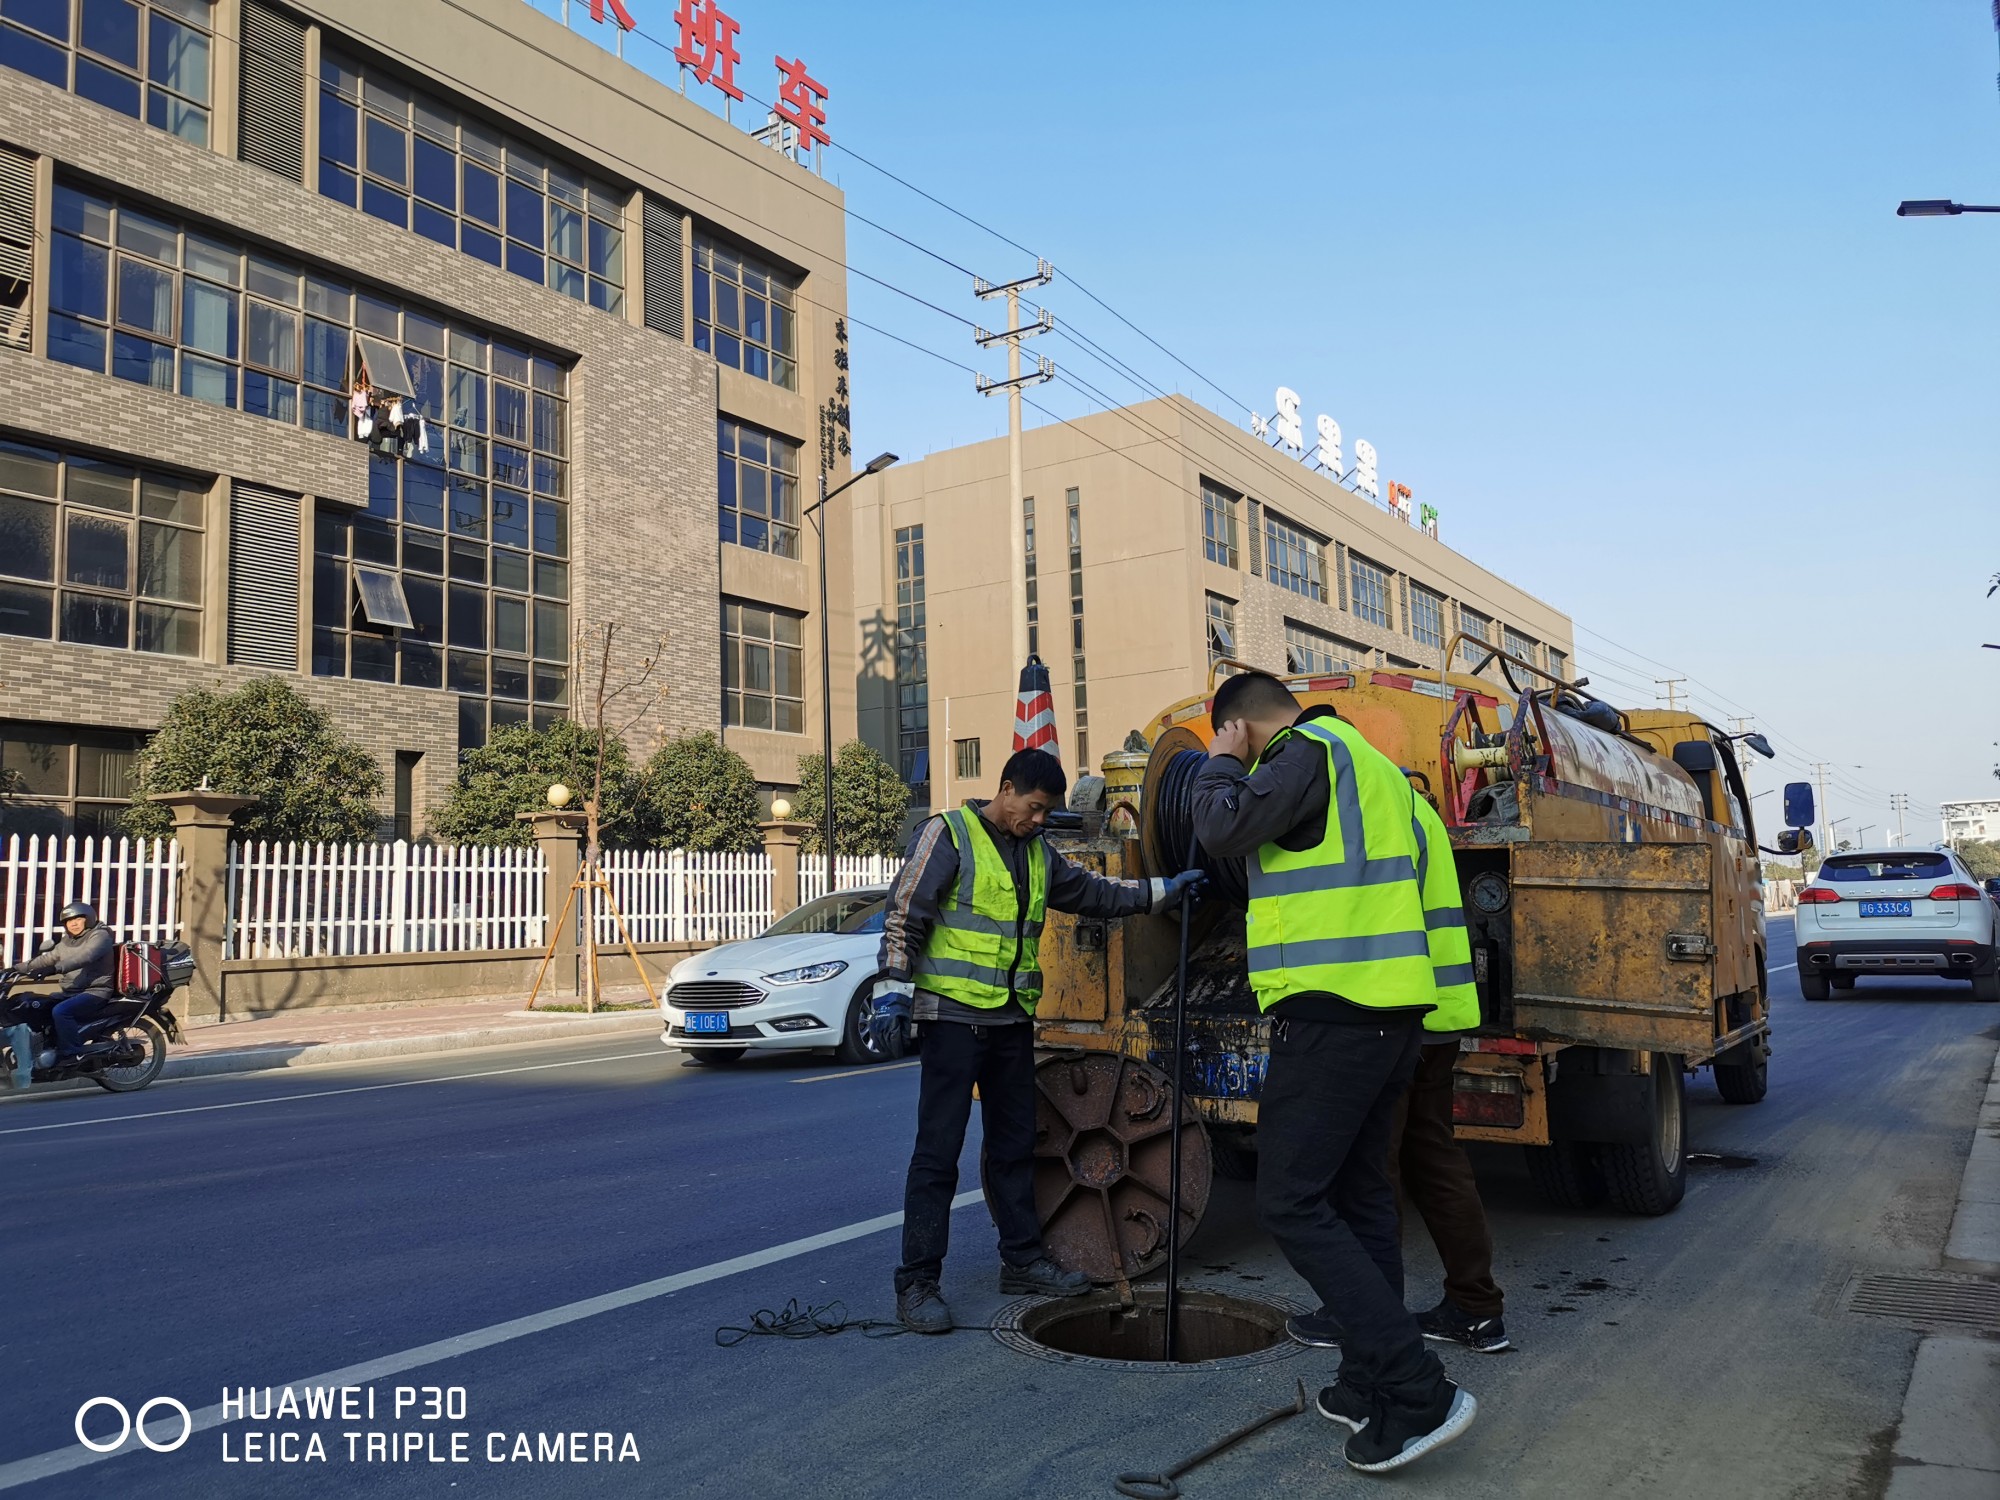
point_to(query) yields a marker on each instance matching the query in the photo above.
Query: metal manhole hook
(1161, 1486)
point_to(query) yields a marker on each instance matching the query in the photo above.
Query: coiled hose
(1172, 809)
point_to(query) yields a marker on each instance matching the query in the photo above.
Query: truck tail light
(1955, 893)
(1813, 895)
(1487, 1099)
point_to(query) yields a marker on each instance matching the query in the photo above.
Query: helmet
(79, 909)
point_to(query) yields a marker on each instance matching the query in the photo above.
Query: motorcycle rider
(86, 956)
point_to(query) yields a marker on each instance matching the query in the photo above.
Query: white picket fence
(133, 883)
(304, 900)
(674, 896)
(850, 870)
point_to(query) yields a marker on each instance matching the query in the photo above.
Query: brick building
(617, 315)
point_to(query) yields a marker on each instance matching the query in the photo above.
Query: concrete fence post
(781, 844)
(202, 824)
(559, 835)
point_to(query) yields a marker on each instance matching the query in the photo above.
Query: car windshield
(1851, 867)
(843, 911)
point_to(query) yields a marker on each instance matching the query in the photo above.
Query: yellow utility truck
(1614, 902)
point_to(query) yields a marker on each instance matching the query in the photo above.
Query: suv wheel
(1814, 986)
(1986, 986)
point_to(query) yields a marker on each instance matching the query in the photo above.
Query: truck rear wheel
(1651, 1177)
(1743, 1083)
(1567, 1172)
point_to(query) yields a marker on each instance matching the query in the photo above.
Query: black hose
(1173, 816)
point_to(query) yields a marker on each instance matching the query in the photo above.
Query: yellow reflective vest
(982, 939)
(1345, 917)
(1444, 924)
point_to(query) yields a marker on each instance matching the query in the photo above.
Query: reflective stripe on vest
(1345, 917)
(980, 934)
(1444, 924)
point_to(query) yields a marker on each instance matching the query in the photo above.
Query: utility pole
(1672, 685)
(1820, 770)
(1011, 336)
(1899, 804)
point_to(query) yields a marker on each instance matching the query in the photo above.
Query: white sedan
(806, 983)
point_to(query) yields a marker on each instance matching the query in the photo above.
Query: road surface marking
(366, 1088)
(1780, 968)
(860, 1072)
(76, 1456)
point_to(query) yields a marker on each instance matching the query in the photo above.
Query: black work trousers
(1001, 1060)
(1429, 1165)
(1323, 1189)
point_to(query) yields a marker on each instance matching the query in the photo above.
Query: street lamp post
(876, 465)
(1941, 208)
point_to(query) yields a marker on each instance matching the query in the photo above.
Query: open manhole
(1929, 1299)
(1217, 1331)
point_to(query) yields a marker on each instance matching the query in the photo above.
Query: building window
(1480, 627)
(1427, 617)
(68, 780)
(1034, 590)
(1221, 629)
(1309, 651)
(1218, 523)
(966, 753)
(759, 488)
(99, 554)
(408, 160)
(745, 314)
(913, 704)
(1294, 559)
(1558, 664)
(1520, 647)
(1368, 587)
(145, 58)
(1074, 510)
(763, 667)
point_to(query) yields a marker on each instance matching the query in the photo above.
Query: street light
(1940, 208)
(876, 465)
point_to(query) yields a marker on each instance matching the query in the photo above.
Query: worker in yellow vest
(1340, 960)
(959, 958)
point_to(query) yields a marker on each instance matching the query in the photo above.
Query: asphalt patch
(1720, 1159)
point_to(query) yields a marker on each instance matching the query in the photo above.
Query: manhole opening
(1100, 1329)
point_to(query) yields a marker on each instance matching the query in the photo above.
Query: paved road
(250, 1231)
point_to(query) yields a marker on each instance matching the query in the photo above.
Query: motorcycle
(125, 1048)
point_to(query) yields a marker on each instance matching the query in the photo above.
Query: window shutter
(272, 116)
(662, 255)
(263, 578)
(1256, 540)
(17, 241)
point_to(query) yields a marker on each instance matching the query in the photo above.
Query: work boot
(1315, 1330)
(921, 1308)
(1448, 1323)
(1042, 1277)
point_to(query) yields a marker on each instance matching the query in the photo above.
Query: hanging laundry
(423, 436)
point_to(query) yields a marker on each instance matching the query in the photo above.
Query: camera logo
(128, 1424)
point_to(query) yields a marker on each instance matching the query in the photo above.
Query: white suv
(1896, 911)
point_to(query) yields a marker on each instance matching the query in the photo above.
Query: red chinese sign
(801, 100)
(618, 11)
(708, 44)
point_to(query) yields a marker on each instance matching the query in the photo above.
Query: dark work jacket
(88, 964)
(1282, 802)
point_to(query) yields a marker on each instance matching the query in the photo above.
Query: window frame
(195, 17)
(778, 473)
(719, 267)
(1321, 652)
(1372, 602)
(1220, 614)
(1425, 604)
(1286, 542)
(1219, 507)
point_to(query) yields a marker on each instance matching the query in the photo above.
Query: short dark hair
(1250, 693)
(1034, 771)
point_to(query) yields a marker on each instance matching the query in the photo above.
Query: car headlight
(810, 974)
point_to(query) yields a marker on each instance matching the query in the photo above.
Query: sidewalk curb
(313, 1054)
(1946, 1448)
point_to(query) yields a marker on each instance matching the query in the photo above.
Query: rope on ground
(809, 1321)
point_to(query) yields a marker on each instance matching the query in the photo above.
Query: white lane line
(860, 1072)
(76, 1456)
(1780, 968)
(366, 1088)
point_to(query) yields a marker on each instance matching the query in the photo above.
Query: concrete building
(217, 217)
(1970, 820)
(1160, 538)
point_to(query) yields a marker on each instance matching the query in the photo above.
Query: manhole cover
(1929, 1299)
(1217, 1331)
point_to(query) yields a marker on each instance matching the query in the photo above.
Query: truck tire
(1567, 1172)
(1234, 1162)
(1986, 986)
(1814, 986)
(1650, 1178)
(1743, 1083)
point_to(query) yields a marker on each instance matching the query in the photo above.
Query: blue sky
(1619, 289)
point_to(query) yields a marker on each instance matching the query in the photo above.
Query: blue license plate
(716, 1022)
(1885, 908)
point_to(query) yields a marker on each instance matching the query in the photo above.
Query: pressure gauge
(1488, 892)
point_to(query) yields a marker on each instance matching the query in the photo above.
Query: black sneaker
(1403, 1434)
(921, 1308)
(1042, 1277)
(1345, 1405)
(1314, 1330)
(1448, 1323)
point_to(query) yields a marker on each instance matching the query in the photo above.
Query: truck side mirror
(1761, 745)
(1795, 841)
(1799, 804)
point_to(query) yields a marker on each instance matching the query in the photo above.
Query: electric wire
(798, 1320)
